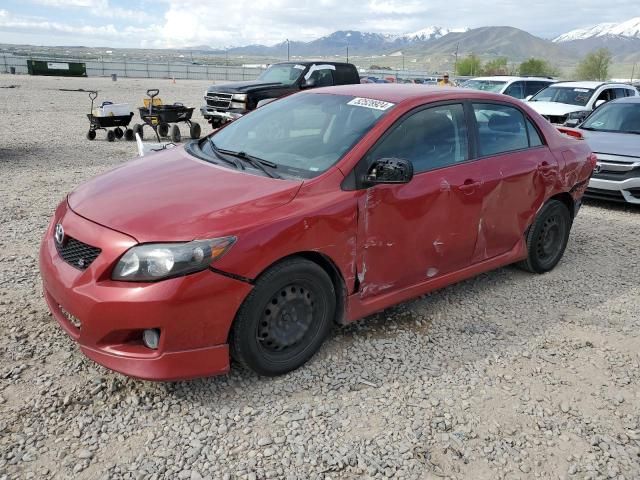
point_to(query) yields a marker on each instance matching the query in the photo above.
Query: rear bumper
(106, 318)
(623, 191)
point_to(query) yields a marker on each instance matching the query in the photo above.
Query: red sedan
(323, 207)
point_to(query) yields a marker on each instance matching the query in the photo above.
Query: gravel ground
(508, 375)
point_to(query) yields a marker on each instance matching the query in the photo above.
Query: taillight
(571, 132)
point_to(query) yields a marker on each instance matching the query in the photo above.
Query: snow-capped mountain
(429, 33)
(628, 29)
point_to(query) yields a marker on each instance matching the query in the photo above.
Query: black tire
(547, 238)
(284, 320)
(175, 134)
(91, 135)
(111, 136)
(137, 128)
(215, 123)
(163, 129)
(129, 135)
(119, 132)
(194, 130)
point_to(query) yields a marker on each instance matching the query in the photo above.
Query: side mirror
(390, 170)
(308, 83)
(529, 97)
(598, 103)
(572, 122)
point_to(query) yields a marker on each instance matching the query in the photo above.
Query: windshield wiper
(235, 163)
(256, 162)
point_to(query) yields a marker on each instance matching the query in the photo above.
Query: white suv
(571, 102)
(517, 87)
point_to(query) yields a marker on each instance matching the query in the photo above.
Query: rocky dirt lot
(508, 375)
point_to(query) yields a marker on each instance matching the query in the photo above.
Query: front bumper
(210, 113)
(107, 318)
(619, 191)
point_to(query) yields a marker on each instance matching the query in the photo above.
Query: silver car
(613, 133)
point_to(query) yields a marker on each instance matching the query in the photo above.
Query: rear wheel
(111, 136)
(91, 135)
(137, 128)
(285, 318)
(194, 130)
(175, 134)
(119, 132)
(163, 129)
(547, 238)
(129, 135)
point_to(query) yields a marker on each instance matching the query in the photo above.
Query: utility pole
(633, 70)
(403, 62)
(455, 65)
(288, 51)
(347, 53)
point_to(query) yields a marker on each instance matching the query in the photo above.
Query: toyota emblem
(59, 234)
(598, 168)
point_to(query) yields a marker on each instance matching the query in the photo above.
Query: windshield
(287, 73)
(615, 117)
(568, 95)
(485, 85)
(304, 134)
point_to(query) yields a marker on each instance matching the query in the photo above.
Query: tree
(496, 67)
(595, 66)
(536, 67)
(469, 66)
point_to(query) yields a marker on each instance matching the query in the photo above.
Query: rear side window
(501, 128)
(534, 87)
(515, 90)
(345, 75)
(534, 136)
(432, 138)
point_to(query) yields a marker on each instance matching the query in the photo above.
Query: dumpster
(58, 68)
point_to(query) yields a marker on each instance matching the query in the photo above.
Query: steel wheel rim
(549, 243)
(287, 319)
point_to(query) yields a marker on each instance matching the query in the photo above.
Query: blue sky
(169, 23)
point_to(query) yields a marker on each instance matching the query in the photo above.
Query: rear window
(485, 85)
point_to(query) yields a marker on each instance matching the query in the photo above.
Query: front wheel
(175, 134)
(547, 238)
(285, 318)
(194, 130)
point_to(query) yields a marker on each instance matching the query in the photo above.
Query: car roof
(591, 84)
(317, 62)
(397, 93)
(635, 99)
(508, 78)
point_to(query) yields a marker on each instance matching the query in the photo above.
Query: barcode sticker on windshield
(583, 90)
(370, 103)
(299, 67)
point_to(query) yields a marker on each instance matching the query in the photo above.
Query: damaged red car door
(413, 232)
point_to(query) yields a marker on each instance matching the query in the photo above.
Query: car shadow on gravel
(613, 206)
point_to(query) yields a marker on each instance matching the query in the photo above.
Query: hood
(555, 108)
(173, 196)
(244, 87)
(611, 143)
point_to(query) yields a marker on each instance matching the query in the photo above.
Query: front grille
(77, 254)
(218, 100)
(617, 175)
(603, 194)
(557, 119)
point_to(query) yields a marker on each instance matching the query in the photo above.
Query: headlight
(577, 115)
(156, 261)
(240, 105)
(239, 97)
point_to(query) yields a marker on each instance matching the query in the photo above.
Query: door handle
(469, 185)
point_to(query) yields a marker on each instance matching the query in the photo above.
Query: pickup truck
(224, 103)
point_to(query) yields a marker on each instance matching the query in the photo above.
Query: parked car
(516, 87)
(322, 207)
(613, 133)
(571, 102)
(227, 102)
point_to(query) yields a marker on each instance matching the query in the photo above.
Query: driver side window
(432, 138)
